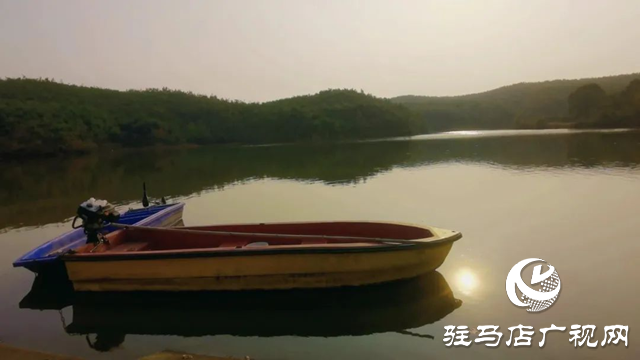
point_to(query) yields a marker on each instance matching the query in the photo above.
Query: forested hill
(523, 105)
(39, 117)
(44, 117)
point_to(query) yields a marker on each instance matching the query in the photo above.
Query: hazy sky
(267, 49)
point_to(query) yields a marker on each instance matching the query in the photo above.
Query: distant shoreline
(463, 134)
(455, 134)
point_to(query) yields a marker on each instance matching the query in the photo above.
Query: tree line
(518, 106)
(41, 116)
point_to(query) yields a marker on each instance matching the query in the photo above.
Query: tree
(587, 102)
(631, 94)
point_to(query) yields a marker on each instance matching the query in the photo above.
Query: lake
(571, 198)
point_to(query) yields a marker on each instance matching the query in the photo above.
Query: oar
(286, 236)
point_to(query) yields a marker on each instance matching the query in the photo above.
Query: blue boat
(48, 253)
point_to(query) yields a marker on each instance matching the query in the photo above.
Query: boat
(397, 306)
(44, 258)
(257, 256)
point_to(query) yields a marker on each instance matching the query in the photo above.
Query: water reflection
(467, 281)
(42, 192)
(106, 318)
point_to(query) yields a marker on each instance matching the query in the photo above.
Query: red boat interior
(252, 237)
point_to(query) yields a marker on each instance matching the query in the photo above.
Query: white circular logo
(533, 300)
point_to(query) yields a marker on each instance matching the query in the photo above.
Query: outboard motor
(94, 215)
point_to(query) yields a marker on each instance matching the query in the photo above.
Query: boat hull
(312, 269)
(352, 311)
(45, 258)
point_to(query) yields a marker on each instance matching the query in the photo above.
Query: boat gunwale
(309, 249)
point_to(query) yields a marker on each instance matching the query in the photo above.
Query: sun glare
(467, 281)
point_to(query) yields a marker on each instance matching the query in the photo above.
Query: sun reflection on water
(467, 281)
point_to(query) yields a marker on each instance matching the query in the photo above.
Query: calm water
(572, 199)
